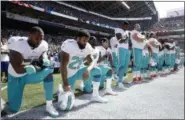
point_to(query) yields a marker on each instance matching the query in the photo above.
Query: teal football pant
(16, 87)
(156, 59)
(167, 61)
(137, 60)
(97, 74)
(145, 63)
(161, 62)
(115, 60)
(123, 60)
(172, 60)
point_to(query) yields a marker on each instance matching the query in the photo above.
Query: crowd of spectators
(54, 41)
(173, 23)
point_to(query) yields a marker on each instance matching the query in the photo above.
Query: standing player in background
(137, 47)
(161, 57)
(154, 44)
(123, 55)
(4, 60)
(177, 58)
(105, 63)
(114, 50)
(145, 59)
(173, 53)
(73, 53)
(29, 64)
(167, 48)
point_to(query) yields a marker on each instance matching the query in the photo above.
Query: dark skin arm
(16, 60)
(63, 69)
(111, 61)
(88, 60)
(101, 58)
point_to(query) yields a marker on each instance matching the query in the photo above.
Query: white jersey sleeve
(68, 46)
(12, 43)
(88, 49)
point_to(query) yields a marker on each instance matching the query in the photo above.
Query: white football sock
(95, 88)
(48, 102)
(108, 83)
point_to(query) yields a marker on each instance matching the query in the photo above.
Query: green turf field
(34, 94)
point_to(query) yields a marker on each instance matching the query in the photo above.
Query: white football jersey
(76, 55)
(95, 54)
(20, 44)
(124, 35)
(154, 49)
(103, 52)
(136, 44)
(114, 44)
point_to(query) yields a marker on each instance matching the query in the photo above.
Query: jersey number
(76, 62)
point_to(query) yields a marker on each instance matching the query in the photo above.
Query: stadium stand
(171, 27)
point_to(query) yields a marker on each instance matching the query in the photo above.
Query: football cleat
(51, 110)
(99, 99)
(121, 86)
(110, 92)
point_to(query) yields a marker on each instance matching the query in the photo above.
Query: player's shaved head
(82, 38)
(36, 35)
(36, 29)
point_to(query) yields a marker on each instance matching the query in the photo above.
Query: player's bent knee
(97, 78)
(109, 73)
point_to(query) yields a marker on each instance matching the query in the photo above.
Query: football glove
(30, 69)
(46, 62)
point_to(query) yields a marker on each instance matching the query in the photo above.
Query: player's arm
(88, 60)
(102, 58)
(16, 60)
(63, 69)
(111, 61)
(138, 37)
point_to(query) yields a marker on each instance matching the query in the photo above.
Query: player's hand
(46, 62)
(67, 88)
(30, 69)
(85, 75)
(122, 40)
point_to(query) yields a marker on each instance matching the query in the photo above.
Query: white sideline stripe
(3, 88)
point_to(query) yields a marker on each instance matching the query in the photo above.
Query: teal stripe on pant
(16, 87)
